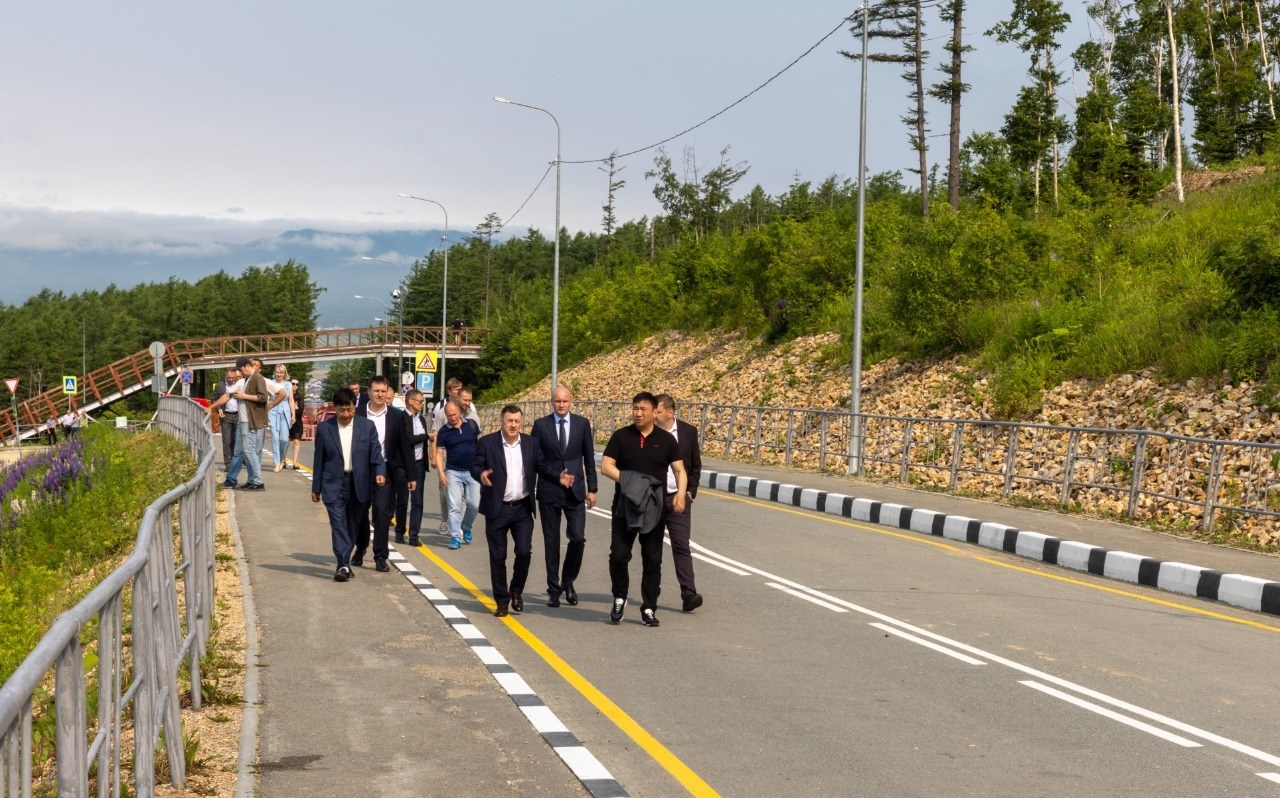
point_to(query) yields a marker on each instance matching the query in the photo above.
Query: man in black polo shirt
(637, 458)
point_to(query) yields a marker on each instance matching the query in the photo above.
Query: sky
(162, 127)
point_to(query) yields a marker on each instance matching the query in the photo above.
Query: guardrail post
(791, 432)
(72, 724)
(759, 424)
(728, 437)
(957, 450)
(1069, 467)
(1010, 461)
(906, 452)
(822, 442)
(1211, 488)
(1139, 469)
(144, 714)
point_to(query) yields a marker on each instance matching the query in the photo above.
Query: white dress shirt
(672, 485)
(345, 436)
(515, 471)
(419, 428)
(380, 423)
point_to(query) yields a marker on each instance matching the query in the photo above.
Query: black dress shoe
(414, 540)
(380, 564)
(570, 595)
(342, 575)
(554, 601)
(692, 602)
(399, 538)
(517, 602)
(619, 606)
(501, 612)
(357, 560)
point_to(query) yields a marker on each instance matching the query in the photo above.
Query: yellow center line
(917, 538)
(660, 753)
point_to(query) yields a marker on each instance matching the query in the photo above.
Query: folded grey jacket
(641, 500)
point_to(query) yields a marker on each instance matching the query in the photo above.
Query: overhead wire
(526, 199)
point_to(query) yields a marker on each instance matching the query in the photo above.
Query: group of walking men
(377, 454)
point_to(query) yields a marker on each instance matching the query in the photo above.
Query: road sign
(186, 376)
(69, 385)
(426, 382)
(425, 360)
(157, 349)
(406, 378)
(12, 383)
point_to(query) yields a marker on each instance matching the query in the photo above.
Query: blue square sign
(426, 382)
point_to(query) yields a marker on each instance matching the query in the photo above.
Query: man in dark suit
(394, 430)
(506, 466)
(679, 523)
(348, 467)
(566, 485)
(419, 438)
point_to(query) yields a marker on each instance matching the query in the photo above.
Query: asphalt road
(833, 657)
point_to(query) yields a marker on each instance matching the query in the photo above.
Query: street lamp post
(855, 401)
(444, 295)
(555, 275)
(385, 310)
(399, 297)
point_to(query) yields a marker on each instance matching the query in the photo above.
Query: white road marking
(927, 644)
(719, 564)
(806, 597)
(1116, 716)
(1271, 777)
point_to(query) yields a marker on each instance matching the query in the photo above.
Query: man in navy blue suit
(566, 485)
(347, 467)
(506, 467)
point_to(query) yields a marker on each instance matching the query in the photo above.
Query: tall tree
(616, 184)
(1034, 26)
(486, 229)
(951, 90)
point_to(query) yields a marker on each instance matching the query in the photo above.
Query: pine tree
(951, 90)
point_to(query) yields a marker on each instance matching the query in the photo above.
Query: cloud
(234, 210)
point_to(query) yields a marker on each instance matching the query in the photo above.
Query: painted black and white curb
(1248, 592)
(594, 776)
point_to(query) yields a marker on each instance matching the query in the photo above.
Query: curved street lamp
(444, 296)
(555, 276)
(399, 297)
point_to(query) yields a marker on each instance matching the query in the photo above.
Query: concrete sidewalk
(365, 689)
(1246, 579)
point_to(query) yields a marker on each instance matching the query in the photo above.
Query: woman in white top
(279, 414)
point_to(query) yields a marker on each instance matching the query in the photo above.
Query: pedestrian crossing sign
(69, 385)
(425, 360)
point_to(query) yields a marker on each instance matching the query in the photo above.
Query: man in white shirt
(506, 466)
(348, 467)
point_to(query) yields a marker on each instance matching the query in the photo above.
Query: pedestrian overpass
(135, 373)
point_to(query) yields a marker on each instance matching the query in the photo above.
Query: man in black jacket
(419, 438)
(394, 430)
(678, 523)
(566, 485)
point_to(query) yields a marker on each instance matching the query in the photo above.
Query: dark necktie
(564, 438)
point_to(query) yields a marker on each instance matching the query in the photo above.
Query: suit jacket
(490, 455)
(424, 440)
(399, 431)
(690, 453)
(579, 458)
(366, 460)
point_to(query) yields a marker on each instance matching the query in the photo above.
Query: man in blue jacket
(348, 465)
(505, 465)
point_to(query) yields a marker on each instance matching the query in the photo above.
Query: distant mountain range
(333, 259)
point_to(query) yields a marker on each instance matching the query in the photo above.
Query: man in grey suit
(566, 487)
(347, 467)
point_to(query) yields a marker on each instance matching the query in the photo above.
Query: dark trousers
(575, 516)
(345, 514)
(620, 547)
(678, 527)
(513, 519)
(381, 509)
(400, 495)
(228, 438)
(415, 497)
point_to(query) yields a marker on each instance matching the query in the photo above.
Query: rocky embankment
(812, 373)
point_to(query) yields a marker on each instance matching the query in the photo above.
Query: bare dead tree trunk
(921, 147)
(1177, 104)
(1266, 61)
(957, 89)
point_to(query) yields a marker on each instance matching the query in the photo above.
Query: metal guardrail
(1143, 475)
(136, 685)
